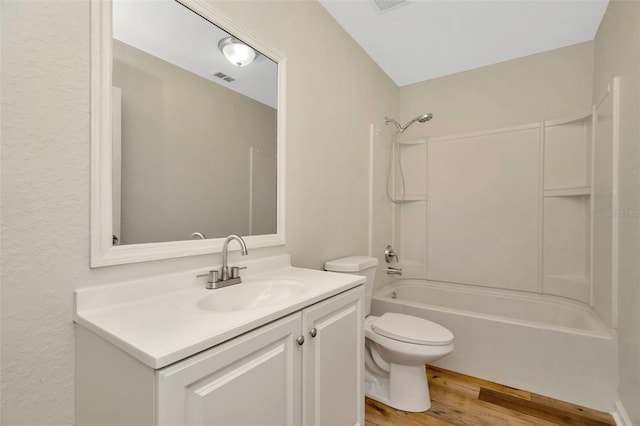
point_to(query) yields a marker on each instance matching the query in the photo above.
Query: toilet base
(406, 388)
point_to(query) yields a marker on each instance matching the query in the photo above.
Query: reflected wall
(188, 154)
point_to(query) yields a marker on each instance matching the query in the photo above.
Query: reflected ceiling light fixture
(236, 52)
(383, 6)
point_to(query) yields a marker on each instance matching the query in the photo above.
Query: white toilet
(397, 346)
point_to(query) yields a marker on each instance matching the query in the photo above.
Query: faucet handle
(235, 271)
(212, 279)
(390, 254)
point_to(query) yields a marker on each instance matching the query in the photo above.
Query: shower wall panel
(606, 211)
(484, 208)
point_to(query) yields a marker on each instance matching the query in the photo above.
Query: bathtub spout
(393, 271)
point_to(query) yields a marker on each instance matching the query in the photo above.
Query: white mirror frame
(103, 252)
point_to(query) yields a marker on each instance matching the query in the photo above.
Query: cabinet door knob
(300, 340)
(313, 332)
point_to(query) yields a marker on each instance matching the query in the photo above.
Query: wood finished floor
(460, 400)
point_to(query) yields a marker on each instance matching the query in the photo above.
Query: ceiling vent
(383, 6)
(223, 76)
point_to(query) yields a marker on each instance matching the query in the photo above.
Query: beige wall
(534, 88)
(333, 92)
(185, 151)
(617, 52)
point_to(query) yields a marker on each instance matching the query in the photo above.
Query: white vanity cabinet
(303, 369)
(333, 361)
(254, 379)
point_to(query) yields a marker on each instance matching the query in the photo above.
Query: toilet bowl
(397, 346)
(395, 364)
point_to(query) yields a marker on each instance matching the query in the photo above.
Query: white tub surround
(157, 321)
(521, 208)
(545, 344)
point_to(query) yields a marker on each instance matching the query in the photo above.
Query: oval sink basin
(253, 295)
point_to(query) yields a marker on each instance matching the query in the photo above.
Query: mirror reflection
(194, 128)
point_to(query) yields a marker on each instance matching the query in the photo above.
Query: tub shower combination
(544, 344)
(526, 286)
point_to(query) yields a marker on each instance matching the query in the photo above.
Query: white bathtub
(544, 344)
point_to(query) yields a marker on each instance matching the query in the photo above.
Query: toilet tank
(357, 265)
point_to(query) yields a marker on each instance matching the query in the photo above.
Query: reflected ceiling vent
(223, 76)
(383, 6)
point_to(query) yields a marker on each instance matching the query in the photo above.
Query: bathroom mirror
(187, 147)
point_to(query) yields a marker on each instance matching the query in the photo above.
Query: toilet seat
(410, 329)
(403, 353)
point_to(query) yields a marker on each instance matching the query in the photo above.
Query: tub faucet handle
(390, 254)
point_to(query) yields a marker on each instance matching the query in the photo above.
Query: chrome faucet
(223, 278)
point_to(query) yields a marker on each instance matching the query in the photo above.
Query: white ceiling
(425, 39)
(170, 31)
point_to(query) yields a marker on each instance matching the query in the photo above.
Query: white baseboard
(620, 416)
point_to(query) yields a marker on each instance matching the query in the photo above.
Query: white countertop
(157, 320)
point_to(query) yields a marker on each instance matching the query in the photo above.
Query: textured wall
(617, 54)
(334, 92)
(45, 203)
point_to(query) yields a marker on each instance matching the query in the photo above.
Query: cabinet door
(333, 359)
(252, 380)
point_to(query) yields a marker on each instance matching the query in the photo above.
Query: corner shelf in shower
(567, 207)
(413, 141)
(409, 197)
(568, 192)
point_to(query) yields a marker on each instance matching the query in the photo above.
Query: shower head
(422, 118)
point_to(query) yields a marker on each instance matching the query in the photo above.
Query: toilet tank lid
(351, 264)
(410, 329)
